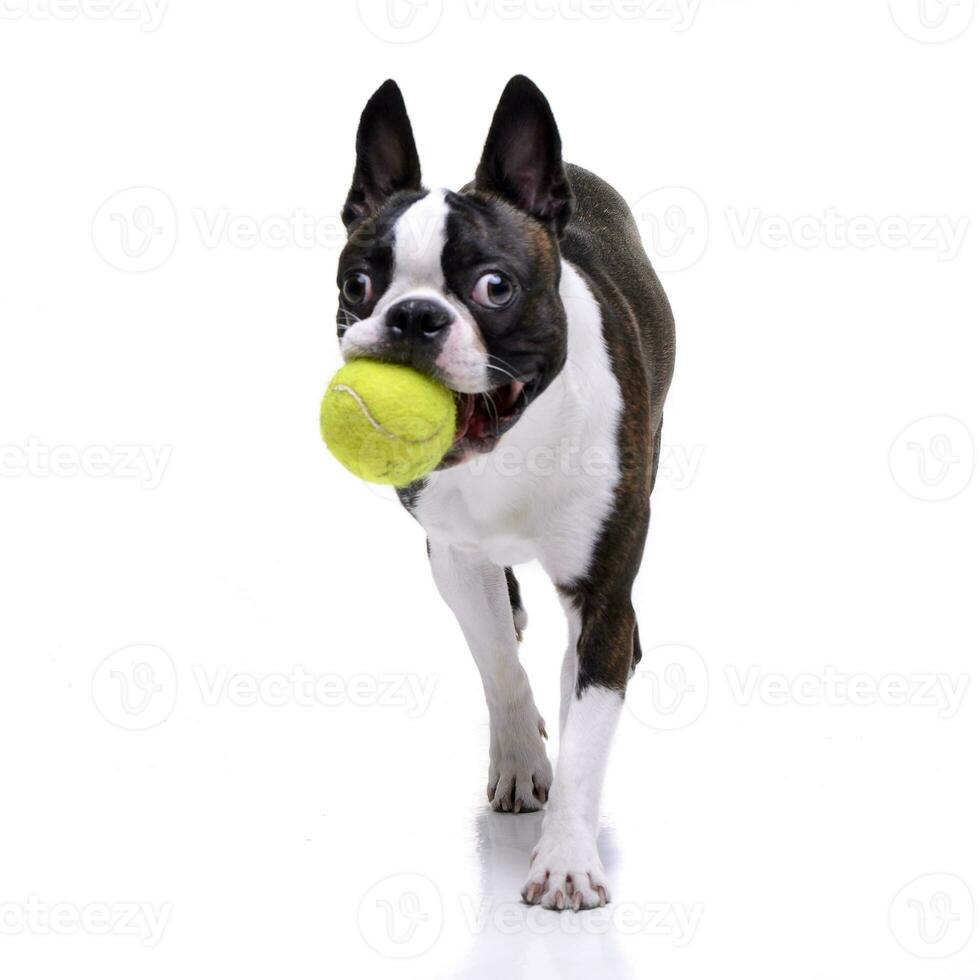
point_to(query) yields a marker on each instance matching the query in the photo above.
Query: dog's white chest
(473, 517)
(545, 491)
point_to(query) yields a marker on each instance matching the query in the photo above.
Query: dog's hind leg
(478, 593)
(516, 605)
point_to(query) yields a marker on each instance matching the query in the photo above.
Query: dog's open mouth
(481, 419)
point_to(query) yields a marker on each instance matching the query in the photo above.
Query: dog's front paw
(566, 874)
(520, 773)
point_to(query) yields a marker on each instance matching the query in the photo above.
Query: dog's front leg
(476, 591)
(565, 868)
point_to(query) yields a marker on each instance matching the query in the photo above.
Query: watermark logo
(135, 688)
(670, 688)
(136, 229)
(933, 916)
(932, 21)
(933, 458)
(673, 223)
(401, 916)
(400, 21)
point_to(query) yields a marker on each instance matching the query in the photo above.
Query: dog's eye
(357, 288)
(494, 290)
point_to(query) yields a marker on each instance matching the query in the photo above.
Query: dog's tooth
(512, 395)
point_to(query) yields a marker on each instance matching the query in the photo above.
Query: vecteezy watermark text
(674, 921)
(942, 234)
(670, 689)
(402, 917)
(296, 229)
(411, 21)
(678, 464)
(679, 14)
(35, 916)
(837, 689)
(305, 689)
(144, 464)
(676, 226)
(136, 688)
(147, 13)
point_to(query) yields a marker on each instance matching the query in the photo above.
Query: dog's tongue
(464, 415)
(478, 424)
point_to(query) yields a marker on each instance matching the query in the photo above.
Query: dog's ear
(387, 161)
(522, 156)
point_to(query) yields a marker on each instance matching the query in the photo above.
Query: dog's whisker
(491, 408)
(503, 367)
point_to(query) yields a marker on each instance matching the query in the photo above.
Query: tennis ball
(387, 423)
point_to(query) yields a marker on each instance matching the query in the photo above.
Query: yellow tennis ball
(387, 423)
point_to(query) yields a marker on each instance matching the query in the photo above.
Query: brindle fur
(602, 241)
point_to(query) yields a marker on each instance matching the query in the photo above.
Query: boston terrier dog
(529, 295)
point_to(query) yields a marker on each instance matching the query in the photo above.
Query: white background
(801, 527)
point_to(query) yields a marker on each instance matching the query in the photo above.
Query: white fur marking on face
(420, 237)
(463, 356)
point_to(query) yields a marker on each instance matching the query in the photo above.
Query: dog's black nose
(417, 319)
